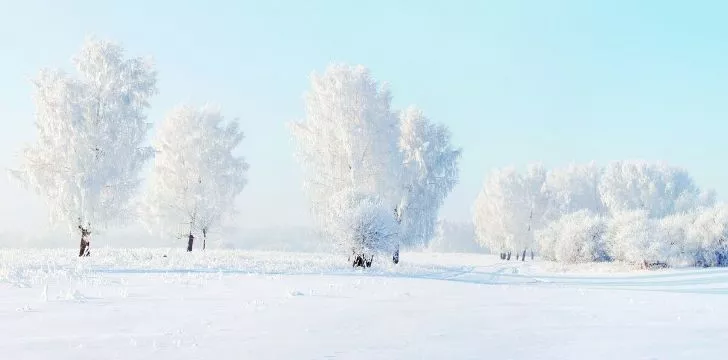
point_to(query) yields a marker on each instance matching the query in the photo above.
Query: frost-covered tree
(352, 142)
(509, 208)
(657, 188)
(91, 129)
(574, 188)
(430, 173)
(347, 144)
(196, 175)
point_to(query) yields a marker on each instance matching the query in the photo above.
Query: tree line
(649, 214)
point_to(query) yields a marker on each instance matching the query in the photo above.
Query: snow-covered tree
(657, 188)
(352, 142)
(574, 188)
(196, 176)
(91, 129)
(347, 143)
(430, 173)
(509, 208)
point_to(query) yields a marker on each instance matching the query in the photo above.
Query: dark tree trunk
(523, 258)
(395, 257)
(508, 256)
(85, 247)
(531, 254)
(190, 240)
(204, 239)
(361, 261)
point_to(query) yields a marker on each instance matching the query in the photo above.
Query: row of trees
(90, 150)
(375, 177)
(632, 211)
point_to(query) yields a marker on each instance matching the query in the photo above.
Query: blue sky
(516, 81)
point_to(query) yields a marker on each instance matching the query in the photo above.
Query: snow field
(137, 304)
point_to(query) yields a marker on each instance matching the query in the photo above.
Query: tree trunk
(531, 254)
(395, 257)
(523, 258)
(190, 240)
(361, 261)
(85, 247)
(508, 256)
(204, 239)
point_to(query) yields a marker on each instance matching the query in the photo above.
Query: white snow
(138, 304)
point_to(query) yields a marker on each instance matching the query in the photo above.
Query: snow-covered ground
(139, 304)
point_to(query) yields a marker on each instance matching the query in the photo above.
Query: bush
(705, 237)
(363, 224)
(574, 238)
(635, 238)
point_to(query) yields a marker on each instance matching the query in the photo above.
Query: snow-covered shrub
(707, 238)
(574, 238)
(362, 223)
(673, 231)
(633, 237)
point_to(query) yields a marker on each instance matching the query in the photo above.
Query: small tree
(89, 152)
(510, 208)
(196, 177)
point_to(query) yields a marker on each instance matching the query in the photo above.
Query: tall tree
(347, 145)
(89, 153)
(430, 173)
(196, 177)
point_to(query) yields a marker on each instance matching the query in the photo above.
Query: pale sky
(516, 81)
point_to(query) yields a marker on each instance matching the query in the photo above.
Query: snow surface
(138, 304)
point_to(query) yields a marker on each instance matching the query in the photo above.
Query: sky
(515, 81)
